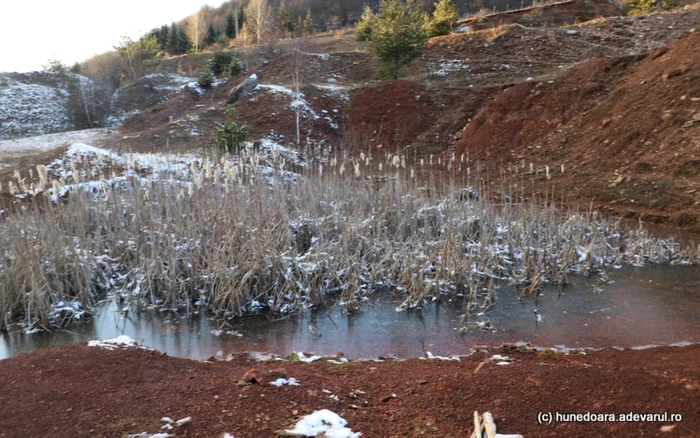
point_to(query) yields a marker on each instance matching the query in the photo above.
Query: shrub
(227, 62)
(206, 78)
(231, 135)
(365, 25)
(639, 7)
(219, 62)
(444, 18)
(398, 34)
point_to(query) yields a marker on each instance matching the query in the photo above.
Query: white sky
(32, 31)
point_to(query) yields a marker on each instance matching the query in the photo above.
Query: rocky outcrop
(243, 89)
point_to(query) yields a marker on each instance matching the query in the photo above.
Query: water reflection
(651, 305)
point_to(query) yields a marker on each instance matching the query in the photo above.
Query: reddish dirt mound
(266, 111)
(390, 114)
(557, 14)
(75, 391)
(626, 131)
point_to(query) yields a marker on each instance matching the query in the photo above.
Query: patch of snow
(499, 357)
(183, 421)
(323, 422)
(289, 382)
(149, 435)
(322, 56)
(48, 142)
(429, 355)
(122, 341)
(28, 108)
(446, 66)
(307, 359)
(275, 89)
(330, 87)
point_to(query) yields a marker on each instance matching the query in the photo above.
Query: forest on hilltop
(237, 23)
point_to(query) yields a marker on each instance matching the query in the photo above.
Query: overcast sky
(32, 31)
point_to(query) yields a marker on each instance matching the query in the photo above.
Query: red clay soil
(76, 390)
(626, 130)
(556, 14)
(390, 113)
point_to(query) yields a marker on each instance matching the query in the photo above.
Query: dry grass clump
(234, 236)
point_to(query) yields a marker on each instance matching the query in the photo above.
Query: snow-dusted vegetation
(265, 230)
(39, 103)
(33, 104)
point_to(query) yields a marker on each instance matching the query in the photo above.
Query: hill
(590, 97)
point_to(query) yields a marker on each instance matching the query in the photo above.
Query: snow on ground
(11, 149)
(275, 89)
(149, 435)
(321, 56)
(122, 341)
(446, 66)
(299, 102)
(159, 87)
(429, 355)
(306, 359)
(30, 108)
(323, 422)
(289, 382)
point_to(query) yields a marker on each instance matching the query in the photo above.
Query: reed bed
(270, 231)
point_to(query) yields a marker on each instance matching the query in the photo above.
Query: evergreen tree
(398, 35)
(174, 40)
(365, 25)
(284, 20)
(183, 44)
(230, 29)
(55, 66)
(211, 36)
(308, 23)
(444, 18)
(300, 25)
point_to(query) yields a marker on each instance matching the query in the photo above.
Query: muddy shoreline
(76, 390)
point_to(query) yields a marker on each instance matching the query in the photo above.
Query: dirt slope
(626, 130)
(555, 14)
(76, 391)
(390, 113)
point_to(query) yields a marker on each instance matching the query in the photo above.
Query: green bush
(231, 135)
(444, 18)
(235, 67)
(643, 7)
(398, 35)
(219, 62)
(206, 78)
(365, 24)
(227, 61)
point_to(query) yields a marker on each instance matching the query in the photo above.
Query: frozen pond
(642, 306)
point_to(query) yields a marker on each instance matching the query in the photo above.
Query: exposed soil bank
(78, 390)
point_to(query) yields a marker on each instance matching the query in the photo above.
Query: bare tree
(259, 18)
(196, 29)
(297, 79)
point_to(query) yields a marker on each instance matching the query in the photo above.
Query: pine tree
(230, 24)
(211, 36)
(365, 25)
(174, 40)
(444, 18)
(284, 17)
(398, 36)
(183, 44)
(308, 23)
